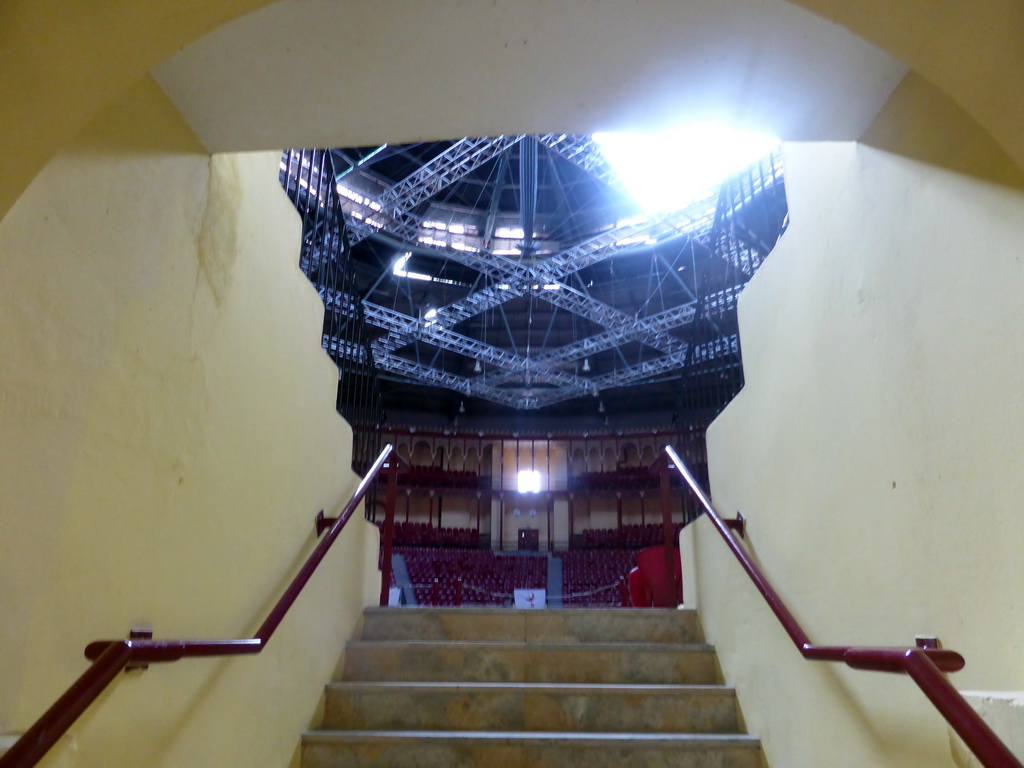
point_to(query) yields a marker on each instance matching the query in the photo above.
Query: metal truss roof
(570, 280)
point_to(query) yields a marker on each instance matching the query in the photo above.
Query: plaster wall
(920, 122)
(457, 515)
(875, 451)
(168, 433)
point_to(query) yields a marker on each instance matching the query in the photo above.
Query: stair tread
(602, 612)
(511, 737)
(574, 647)
(654, 688)
(491, 687)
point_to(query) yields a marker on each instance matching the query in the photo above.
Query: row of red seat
(424, 535)
(591, 577)
(630, 478)
(435, 477)
(488, 578)
(628, 536)
(627, 478)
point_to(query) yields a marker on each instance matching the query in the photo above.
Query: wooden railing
(111, 657)
(925, 666)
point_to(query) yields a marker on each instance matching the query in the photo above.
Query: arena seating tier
(488, 578)
(628, 478)
(424, 535)
(629, 536)
(590, 577)
(435, 477)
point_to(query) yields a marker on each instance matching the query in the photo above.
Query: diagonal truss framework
(549, 376)
(584, 152)
(452, 165)
(395, 204)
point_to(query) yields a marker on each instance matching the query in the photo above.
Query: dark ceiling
(543, 295)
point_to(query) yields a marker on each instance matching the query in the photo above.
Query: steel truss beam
(449, 167)
(583, 152)
(508, 279)
(626, 327)
(567, 386)
(405, 235)
(513, 279)
(624, 238)
(402, 329)
(345, 350)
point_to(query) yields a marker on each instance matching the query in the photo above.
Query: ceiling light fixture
(586, 365)
(462, 406)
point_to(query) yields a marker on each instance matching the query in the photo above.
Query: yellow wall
(168, 435)
(875, 451)
(146, 389)
(922, 123)
(972, 52)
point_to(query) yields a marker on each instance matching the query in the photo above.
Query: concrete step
(546, 626)
(447, 749)
(530, 707)
(487, 662)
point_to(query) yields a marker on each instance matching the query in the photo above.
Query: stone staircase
(496, 688)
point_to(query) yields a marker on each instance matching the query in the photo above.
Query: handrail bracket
(138, 633)
(737, 524)
(323, 523)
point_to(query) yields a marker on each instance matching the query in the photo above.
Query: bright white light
(400, 262)
(430, 313)
(428, 240)
(351, 194)
(398, 269)
(668, 170)
(632, 240)
(528, 481)
(513, 233)
(633, 221)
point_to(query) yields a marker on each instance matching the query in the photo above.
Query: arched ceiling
(314, 73)
(62, 64)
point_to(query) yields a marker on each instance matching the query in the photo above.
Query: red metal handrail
(925, 666)
(388, 532)
(110, 657)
